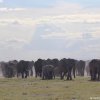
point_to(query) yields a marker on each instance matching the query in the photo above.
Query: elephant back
(48, 68)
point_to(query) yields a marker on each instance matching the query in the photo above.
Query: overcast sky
(31, 29)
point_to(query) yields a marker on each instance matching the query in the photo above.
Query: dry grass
(37, 89)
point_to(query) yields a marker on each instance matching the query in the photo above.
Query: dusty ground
(36, 89)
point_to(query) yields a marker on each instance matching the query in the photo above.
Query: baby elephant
(48, 72)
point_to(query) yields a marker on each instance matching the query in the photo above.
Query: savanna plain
(79, 88)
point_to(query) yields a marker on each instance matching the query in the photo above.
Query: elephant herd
(51, 68)
(16, 69)
(48, 69)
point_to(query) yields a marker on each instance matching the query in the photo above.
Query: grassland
(36, 89)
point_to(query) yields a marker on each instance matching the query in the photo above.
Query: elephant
(38, 67)
(5, 70)
(80, 68)
(66, 67)
(30, 68)
(42, 62)
(56, 63)
(23, 68)
(94, 66)
(9, 68)
(48, 72)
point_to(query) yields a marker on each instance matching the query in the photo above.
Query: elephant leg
(94, 76)
(31, 72)
(40, 74)
(91, 74)
(69, 77)
(47, 75)
(50, 75)
(26, 74)
(80, 73)
(17, 74)
(74, 76)
(36, 74)
(83, 72)
(22, 74)
(43, 76)
(61, 76)
(98, 78)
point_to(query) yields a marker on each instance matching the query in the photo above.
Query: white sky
(65, 29)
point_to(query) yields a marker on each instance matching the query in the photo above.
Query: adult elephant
(9, 68)
(55, 63)
(48, 72)
(94, 66)
(30, 68)
(23, 68)
(38, 67)
(80, 67)
(66, 67)
(6, 71)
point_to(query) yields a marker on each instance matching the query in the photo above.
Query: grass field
(37, 89)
